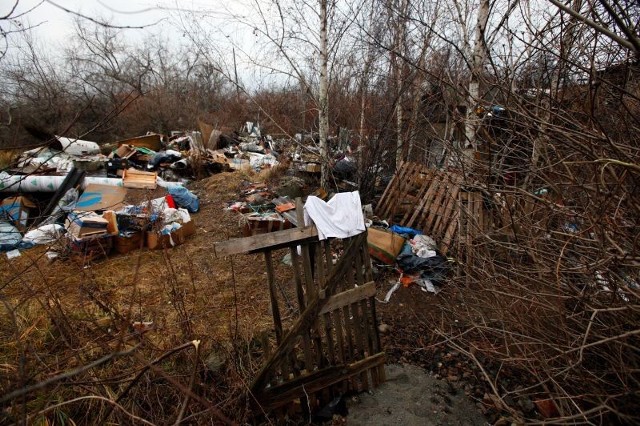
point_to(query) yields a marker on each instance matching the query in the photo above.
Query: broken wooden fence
(333, 345)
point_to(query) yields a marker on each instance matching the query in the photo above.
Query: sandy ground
(412, 397)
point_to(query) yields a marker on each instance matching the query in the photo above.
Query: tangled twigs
(48, 382)
(100, 398)
(489, 380)
(195, 343)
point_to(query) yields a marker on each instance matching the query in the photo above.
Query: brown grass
(60, 316)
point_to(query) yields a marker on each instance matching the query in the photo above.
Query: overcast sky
(55, 26)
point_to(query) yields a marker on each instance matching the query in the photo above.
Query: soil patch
(412, 397)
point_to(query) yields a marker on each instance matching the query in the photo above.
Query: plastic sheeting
(10, 237)
(18, 183)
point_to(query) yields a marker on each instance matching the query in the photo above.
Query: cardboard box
(125, 243)
(313, 168)
(384, 245)
(16, 210)
(189, 228)
(101, 197)
(88, 249)
(157, 241)
(86, 224)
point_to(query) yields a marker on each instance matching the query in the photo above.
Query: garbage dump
(71, 193)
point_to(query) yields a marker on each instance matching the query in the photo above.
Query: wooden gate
(333, 345)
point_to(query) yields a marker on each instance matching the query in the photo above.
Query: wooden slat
(416, 218)
(348, 297)
(432, 210)
(450, 194)
(423, 189)
(132, 178)
(306, 341)
(280, 395)
(277, 322)
(270, 241)
(449, 234)
(336, 316)
(389, 192)
(448, 212)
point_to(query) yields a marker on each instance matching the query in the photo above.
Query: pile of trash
(76, 188)
(89, 223)
(414, 255)
(262, 210)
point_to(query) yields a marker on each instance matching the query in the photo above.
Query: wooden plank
(435, 203)
(417, 216)
(297, 277)
(403, 188)
(449, 234)
(270, 241)
(306, 341)
(397, 191)
(387, 194)
(336, 315)
(419, 195)
(328, 331)
(277, 322)
(348, 297)
(445, 211)
(349, 328)
(280, 395)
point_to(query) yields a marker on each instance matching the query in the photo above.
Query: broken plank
(348, 297)
(270, 241)
(282, 394)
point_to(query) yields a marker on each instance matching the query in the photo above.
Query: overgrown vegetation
(536, 107)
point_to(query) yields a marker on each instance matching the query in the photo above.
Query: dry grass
(60, 316)
(7, 157)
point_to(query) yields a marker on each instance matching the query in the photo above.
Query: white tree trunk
(400, 49)
(477, 65)
(323, 98)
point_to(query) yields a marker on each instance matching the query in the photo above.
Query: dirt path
(411, 397)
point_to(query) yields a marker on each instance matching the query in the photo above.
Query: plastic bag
(10, 237)
(45, 234)
(405, 230)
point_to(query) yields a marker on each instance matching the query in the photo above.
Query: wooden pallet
(435, 202)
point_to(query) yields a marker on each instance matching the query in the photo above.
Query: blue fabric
(185, 198)
(404, 230)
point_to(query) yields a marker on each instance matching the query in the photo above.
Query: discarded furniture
(151, 141)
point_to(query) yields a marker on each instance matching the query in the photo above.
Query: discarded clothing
(423, 246)
(341, 217)
(185, 198)
(168, 156)
(433, 268)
